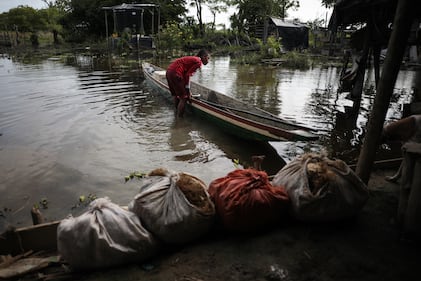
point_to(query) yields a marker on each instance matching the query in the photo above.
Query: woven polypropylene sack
(163, 205)
(322, 189)
(106, 235)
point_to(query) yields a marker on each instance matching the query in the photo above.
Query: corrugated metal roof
(125, 6)
(282, 23)
(347, 12)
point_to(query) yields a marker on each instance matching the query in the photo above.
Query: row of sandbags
(176, 208)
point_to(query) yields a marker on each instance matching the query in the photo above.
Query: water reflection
(77, 126)
(199, 141)
(257, 85)
(345, 133)
(309, 97)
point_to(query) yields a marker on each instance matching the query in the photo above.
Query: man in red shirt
(178, 77)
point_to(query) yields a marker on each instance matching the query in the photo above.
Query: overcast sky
(6, 5)
(309, 10)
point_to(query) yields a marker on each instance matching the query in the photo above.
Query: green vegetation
(137, 175)
(70, 24)
(84, 201)
(296, 60)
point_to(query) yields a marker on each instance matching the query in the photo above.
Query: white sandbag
(106, 235)
(167, 212)
(321, 189)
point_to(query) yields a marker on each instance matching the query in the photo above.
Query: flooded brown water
(77, 126)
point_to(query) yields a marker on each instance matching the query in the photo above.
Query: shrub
(296, 60)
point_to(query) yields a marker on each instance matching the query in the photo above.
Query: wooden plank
(40, 237)
(383, 164)
(37, 238)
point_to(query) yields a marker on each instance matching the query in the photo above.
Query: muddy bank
(368, 247)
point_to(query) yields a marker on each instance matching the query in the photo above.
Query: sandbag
(246, 201)
(106, 235)
(321, 189)
(176, 207)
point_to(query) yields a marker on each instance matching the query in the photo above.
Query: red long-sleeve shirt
(185, 67)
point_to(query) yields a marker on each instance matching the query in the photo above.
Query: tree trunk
(55, 35)
(396, 49)
(199, 17)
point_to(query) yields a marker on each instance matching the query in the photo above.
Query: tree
(171, 11)
(286, 5)
(252, 13)
(53, 15)
(61, 5)
(328, 3)
(25, 19)
(215, 7)
(85, 17)
(198, 5)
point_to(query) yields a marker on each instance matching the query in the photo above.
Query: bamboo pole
(395, 51)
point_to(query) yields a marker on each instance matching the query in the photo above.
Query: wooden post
(409, 209)
(411, 223)
(396, 48)
(106, 29)
(412, 216)
(357, 88)
(376, 61)
(417, 87)
(115, 21)
(265, 30)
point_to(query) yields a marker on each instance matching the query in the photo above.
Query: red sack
(245, 200)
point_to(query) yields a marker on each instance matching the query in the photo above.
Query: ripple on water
(77, 128)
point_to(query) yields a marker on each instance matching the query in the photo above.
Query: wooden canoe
(234, 116)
